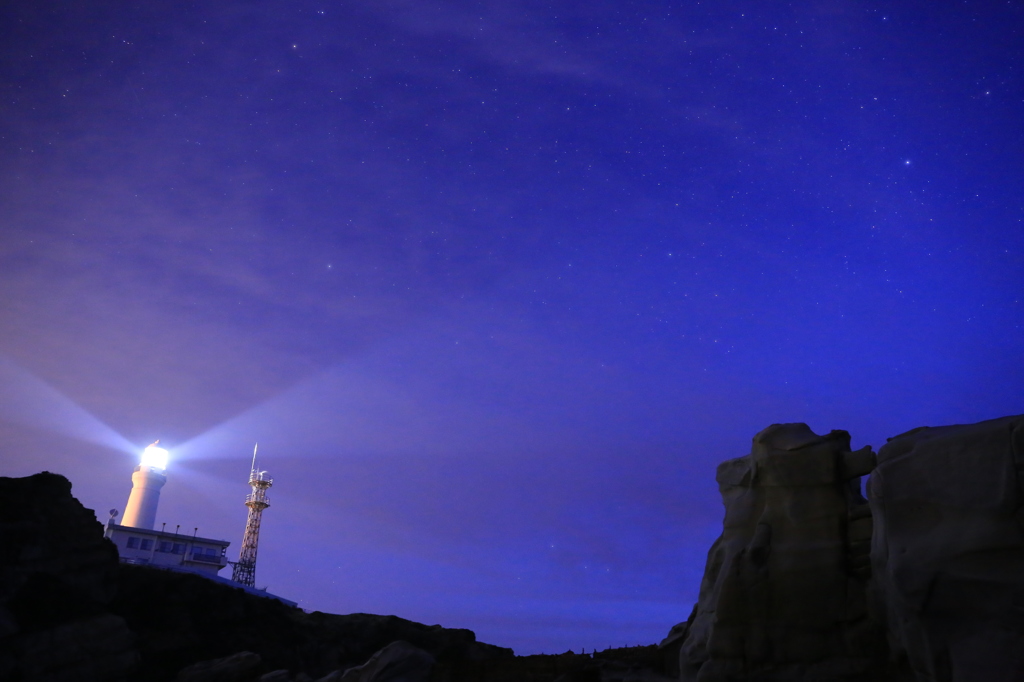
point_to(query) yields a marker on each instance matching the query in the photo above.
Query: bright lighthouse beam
(26, 399)
(154, 457)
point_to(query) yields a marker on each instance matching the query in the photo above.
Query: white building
(168, 550)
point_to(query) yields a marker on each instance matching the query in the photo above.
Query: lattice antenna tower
(245, 570)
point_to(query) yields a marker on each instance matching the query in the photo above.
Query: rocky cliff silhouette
(923, 581)
(70, 612)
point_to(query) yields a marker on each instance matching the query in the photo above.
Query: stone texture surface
(784, 594)
(948, 549)
(240, 667)
(276, 676)
(397, 662)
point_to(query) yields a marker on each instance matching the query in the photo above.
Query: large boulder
(397, 662)
(240, 667)
(784, 593)
(948, 549)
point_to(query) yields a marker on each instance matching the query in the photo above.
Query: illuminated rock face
(784, 594)
(948, 549)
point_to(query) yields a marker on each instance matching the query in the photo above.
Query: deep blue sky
(496, 285)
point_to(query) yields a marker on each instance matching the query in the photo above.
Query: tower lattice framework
(245, 570)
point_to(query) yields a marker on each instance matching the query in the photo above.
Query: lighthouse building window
(133, 543)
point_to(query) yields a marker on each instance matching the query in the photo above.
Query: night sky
(496, 285)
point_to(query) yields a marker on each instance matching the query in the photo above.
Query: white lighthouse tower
(147, 481)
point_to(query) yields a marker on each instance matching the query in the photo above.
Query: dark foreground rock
(627, 664)
(240, 667)
(58, 577)
(70, 611)
(397, 662)
(181, 619)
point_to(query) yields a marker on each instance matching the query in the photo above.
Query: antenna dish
(113, 513)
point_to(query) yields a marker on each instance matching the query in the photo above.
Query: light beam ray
(385, 403)
(29, 401)
(339, 410)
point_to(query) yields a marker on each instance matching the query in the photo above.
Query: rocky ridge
(922, 581)
(70, 612)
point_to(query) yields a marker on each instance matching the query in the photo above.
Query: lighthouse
(138, 542)
(147, 481)
(183, 549)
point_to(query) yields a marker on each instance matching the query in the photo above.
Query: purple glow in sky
(496, 285)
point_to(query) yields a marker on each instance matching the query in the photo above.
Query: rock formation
(784, 592)
(809, 581)
(948, 549)
(397, 662)
(240, 667)
(187, 618)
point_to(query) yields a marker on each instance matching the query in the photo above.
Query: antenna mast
(245, 570)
